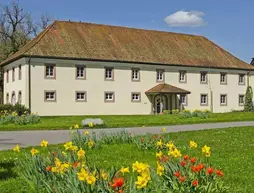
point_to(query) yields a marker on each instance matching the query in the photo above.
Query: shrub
(248, 104)
(24, 119)
(92, 122)
(196, 113)
(9, 108)
(175, 111)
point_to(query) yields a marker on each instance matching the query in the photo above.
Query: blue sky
(227, 23)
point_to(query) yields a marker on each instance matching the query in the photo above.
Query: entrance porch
(166, 97)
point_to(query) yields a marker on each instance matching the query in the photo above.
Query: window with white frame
(50, 96)
(203, 77)
(160, 75)
(7, 98)
(182, 76)
(135, 97)
(81, 96)
(241, 100)
(223, 78)
(109, 74)
(109, 97)
(7, 76)
(13, 74)
(241, 79)
(135, 74)
(80, 72)
(20, 97)
(204, 99)
(223, 99)
(50, 71)
(183, 99)
(20, 72)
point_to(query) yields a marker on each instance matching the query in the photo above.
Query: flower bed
(179, 169)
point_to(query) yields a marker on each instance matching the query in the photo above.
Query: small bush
(9, 108)
(92, 122)
(13, 118)
(175, 111)
(196, 113)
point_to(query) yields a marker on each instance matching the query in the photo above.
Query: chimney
(252, 62)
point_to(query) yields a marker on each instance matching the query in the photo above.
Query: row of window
(50, 72)
(13, 74)
(204, 100)
(81, 96)
(13, 98)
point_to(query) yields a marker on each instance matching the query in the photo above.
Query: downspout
(29, 84)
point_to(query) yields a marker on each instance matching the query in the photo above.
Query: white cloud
(185, 19)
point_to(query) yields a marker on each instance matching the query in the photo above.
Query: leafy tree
(248, 104)
(16, 29)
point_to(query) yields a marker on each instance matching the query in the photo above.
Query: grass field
(118, 121)
(232, 150)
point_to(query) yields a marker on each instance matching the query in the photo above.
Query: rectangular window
(20, 97)
(223, 99)
(109, 97)
(203, 77)
(109, 73)
(204, 100)
(20, 72)
(135, 75)
(241, 100)
(135, 97)
(7, 76)
(80, 72)
(50, 95)
(160, 75)
(13, 74)
(183, 99)
(50, 71)
(182, 76)
(223, 78)
(81, 96)
(241, 79)
(7, 98)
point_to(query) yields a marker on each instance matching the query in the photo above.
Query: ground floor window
(135, 97)
(241, 100)
(7, 98)
(50, 95)
(223, 99)
(13, 98)
(81, 96)
(183, 99)
(109, 97)
(204, 99)
(20, 97)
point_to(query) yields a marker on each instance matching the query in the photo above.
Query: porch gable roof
(167, 88)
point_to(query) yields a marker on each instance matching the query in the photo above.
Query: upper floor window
(13, 74)
(20, 97)
(160, 75)
(241, 100)
(50, 71)
(20, 72)
(204, 99)
(7, 98)
(183, 99)
(223, 99)
(135, 97)
(182, 76)
(241, 79)
(135, 74)
(80, 72)
(7, 76)
(203, 77)
(109, 73)
(81, 96)
(223, 78)
(50, 95)
(109, 97)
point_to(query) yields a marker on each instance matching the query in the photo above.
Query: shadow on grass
(7, 170)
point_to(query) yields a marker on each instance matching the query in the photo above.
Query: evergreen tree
(248, 104)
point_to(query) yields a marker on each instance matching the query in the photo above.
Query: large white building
(75, 68)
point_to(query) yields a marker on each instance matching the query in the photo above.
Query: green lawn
(118, 121)
(232, 149)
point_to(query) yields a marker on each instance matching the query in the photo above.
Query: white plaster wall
(95, 86)
(17, 85)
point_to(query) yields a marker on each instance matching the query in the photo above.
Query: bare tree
(45, 20)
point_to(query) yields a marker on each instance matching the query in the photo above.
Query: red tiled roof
(77, 40)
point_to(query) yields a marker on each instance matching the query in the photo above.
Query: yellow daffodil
(68, 145)
(159, 144)
(74, 148)
(170, 145)
(34, 151)
(160, 169)
(16, 148)
(141, 182)
(91, 144)
(159, 154)
(175, 153)
(90, 124)
(206, 151)
(91, 179)
(140, 168)
(125, 170)
(82, 174)
(193, 144)
(64, 153)
(104, 175)
(86, 132)
(76, 126)
(44, 143)
(164, 129)
(81, 154)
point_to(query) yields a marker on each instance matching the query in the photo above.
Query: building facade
(54, 85)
